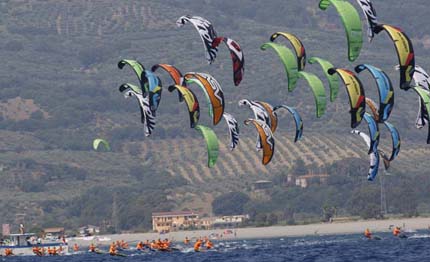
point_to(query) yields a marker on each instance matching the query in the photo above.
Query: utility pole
(383, 197)
(115, 218)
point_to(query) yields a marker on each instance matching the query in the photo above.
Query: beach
(334, 228)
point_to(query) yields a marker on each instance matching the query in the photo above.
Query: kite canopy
(99, 141)
(146, 115)
(211, 143)
(266, 138)
(374, 156)
(297, 45)
(352, 24)
(237, 57)
(356, 95)
(297, 120)
(333, 80)
(318, 91)
(385, 90)
(425, 107)
(405, 53)
(370, 13)
(288, 60)
(213, 93)
(206, 32)
(233, 128)
(191, 102)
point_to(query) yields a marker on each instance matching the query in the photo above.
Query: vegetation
(321, 202)
(58, 91)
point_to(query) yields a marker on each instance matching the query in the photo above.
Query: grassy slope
(66, 63)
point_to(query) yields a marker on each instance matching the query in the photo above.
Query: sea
(342, 248)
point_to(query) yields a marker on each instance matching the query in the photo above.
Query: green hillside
(59, 90)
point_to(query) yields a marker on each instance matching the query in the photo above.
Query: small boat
(23, 244)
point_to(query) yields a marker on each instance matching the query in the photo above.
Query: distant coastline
(354, 227)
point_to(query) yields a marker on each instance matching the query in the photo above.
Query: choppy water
(342, 248)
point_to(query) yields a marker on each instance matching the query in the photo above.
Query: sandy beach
(267, 232)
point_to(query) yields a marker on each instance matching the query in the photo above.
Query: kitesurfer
(159, 243)
(187, 241)
(112, 249)
(92, 248)
(123, 244)
(367, 233)
(396, 231)
(165, 244)
(197, 245)
(38, 251)
(8, 252)
(153, 245)
(209, 244)
(139, 245)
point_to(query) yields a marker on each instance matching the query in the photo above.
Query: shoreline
(335, 228)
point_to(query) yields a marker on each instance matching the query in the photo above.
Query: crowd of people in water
(165, 245)
(114, 248)
(49, 251)
(154, 245)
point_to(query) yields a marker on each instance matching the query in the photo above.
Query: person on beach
(367, 233)
(75, 247)
(197, 245)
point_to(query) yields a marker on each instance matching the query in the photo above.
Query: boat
(23, 244)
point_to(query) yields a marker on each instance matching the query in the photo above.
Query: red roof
(174, 214)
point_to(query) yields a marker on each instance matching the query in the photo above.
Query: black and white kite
(206, 32)
(233, 128)
(370, 13)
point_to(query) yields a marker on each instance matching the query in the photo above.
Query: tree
(365, 202)
(272, 219)
(299, 168)
(37, 115)
(230, 204)
(328, 212)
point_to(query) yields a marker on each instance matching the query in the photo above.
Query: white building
(229, 221)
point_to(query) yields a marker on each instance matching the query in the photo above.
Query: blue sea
(339, 248)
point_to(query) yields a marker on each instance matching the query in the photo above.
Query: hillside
(59, 90)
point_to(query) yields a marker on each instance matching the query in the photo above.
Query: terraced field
(187, 157)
